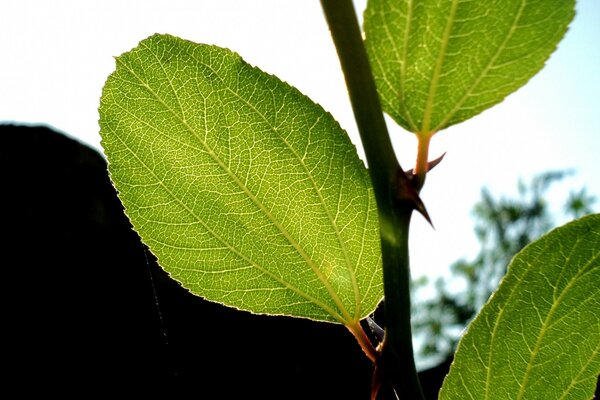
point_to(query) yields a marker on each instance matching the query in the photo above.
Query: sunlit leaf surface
(437, 63)
(247, 192)
(539, 335)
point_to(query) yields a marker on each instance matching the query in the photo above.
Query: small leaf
(437, 63)
(538, 337)
(248, 193)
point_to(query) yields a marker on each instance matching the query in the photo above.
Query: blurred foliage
(503, 226)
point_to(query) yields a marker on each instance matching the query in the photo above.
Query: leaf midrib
(437, 71)
(229, 246)
(401, 59)
(484, 71)
(546, 325)
(543, 329)
(294, 243)
(297, 247)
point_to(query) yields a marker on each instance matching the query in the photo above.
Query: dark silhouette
(89, 312)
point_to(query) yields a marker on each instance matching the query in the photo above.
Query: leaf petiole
(363, 340)
(422, 164)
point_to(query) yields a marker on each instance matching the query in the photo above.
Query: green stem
(395, 363)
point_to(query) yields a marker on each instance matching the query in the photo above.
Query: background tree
(503, 226)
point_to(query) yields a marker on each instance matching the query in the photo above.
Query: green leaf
(538, 337)
(248, 193)
(437, 63)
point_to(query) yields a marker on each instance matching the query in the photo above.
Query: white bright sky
(56, 55)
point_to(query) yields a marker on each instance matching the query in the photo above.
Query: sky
(56, 55)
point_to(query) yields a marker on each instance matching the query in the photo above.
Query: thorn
(375, 329)
(433, 163)
(420, 207)
(408, 196)
(430, 165)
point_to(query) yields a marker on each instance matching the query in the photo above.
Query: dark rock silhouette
(89, 312)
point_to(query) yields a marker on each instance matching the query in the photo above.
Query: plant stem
(393, 192)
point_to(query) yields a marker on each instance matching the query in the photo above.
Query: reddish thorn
(430, 165)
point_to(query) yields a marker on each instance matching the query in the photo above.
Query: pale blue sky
(57, 54)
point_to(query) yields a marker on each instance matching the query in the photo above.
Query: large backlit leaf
(539, 335)
(437, 63)
(247, 192)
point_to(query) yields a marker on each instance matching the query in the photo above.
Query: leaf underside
(248, 193)
(538, 337)
(437, 63)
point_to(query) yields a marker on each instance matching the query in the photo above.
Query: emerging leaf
(247, 192)
(539, 335)
(437, 63)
